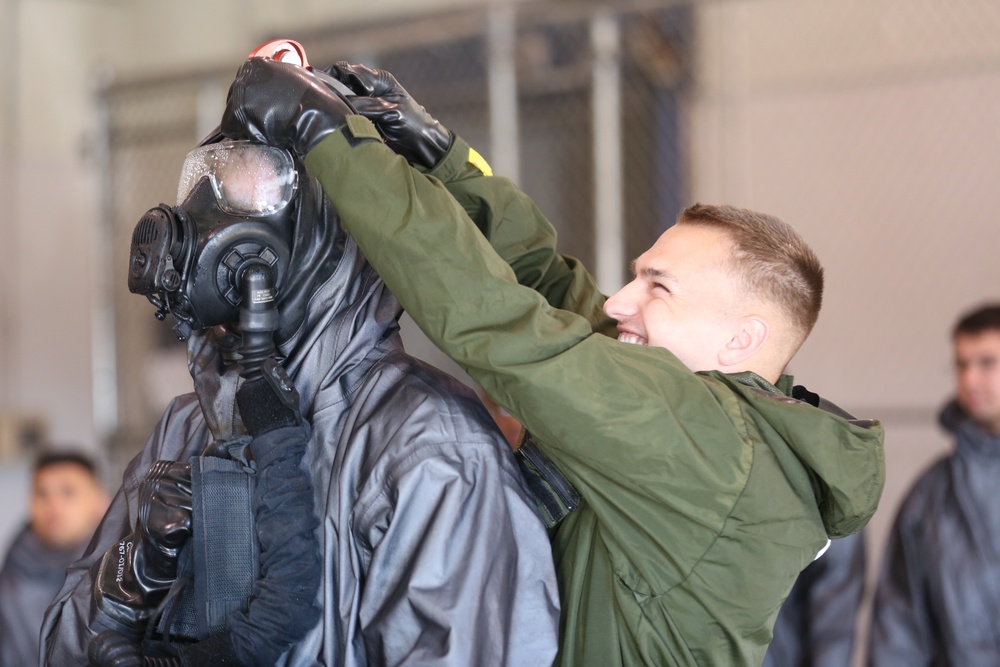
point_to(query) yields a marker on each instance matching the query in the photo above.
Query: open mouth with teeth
(632, 339)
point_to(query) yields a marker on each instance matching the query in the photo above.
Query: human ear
(750, 335)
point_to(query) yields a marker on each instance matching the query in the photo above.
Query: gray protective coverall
(31, 576)
(433, 552)
(937, 603)
(815, 627)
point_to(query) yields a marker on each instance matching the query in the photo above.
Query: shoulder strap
(223, 550)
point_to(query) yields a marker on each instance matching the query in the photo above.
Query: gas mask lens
(248, 179)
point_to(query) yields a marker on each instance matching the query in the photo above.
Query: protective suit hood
(334, 313)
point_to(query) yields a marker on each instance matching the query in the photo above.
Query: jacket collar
(970, 438)
(751, 379)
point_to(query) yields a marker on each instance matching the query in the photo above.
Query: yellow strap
(479, 162)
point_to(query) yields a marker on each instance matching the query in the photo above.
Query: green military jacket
(703, 494)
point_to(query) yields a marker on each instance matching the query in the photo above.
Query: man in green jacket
(705, 486)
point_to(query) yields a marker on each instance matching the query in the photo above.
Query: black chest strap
(555, 498)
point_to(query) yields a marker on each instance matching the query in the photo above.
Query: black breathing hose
(282, 607)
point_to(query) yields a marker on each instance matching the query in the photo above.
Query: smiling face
(684, 297)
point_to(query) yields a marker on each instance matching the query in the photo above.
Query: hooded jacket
(433, 553)
(938, 597)
(31, 576)
(704, 494)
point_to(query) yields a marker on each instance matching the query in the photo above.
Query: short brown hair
(979, 321)
(770, 258)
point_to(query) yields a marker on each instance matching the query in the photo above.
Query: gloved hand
(282, 105)
(269, 401)
(215, 651)
(136, 573)
(110, 649)
(407, 127)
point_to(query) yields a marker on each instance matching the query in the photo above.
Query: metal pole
(103, 349)
(609, 236)
(504, 133)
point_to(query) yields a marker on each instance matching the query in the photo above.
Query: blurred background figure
(67, 503)
(816, 625)
(938, 595)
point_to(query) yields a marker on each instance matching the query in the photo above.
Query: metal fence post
(103, 331)
(504, 132)
(607, 137)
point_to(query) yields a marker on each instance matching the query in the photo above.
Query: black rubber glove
(215, 651)
(269, 401)
(136, 573)
(407, 127)
(282, 105)
(110, 649)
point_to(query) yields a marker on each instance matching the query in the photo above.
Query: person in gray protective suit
(937, 600)
(428, 545)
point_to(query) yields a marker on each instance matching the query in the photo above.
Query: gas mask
(224, 250)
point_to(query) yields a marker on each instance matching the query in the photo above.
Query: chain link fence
(455, 64)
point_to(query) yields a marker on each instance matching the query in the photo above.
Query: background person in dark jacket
(67, 502)
(938, 596)
(816, 624)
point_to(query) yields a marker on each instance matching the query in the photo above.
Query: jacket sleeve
(460, 571)
(568, 386)
(902, 631)
(521, 235)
